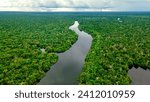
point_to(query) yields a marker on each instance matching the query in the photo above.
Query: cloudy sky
(74, 5)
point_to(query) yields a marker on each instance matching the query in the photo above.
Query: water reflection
(139, 76)
(70, 63)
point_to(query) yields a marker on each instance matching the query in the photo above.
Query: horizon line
(75, 11)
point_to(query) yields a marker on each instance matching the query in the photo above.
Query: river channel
(139, 76)
(70, 63)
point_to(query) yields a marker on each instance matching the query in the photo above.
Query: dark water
(139, 76)
(70, 63)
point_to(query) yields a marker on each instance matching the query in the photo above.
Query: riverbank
(70, 63)
(116, 47)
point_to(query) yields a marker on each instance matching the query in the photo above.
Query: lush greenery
(22, 36)
(117, 46)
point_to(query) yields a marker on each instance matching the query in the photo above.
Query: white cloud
(73, 5)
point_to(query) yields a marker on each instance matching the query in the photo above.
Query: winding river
(70, 63)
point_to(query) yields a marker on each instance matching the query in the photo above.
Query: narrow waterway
(70, 63)
(139, 76)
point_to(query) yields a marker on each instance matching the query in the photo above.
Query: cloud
(74, 5)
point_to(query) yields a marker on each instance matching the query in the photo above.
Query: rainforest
(121, 41)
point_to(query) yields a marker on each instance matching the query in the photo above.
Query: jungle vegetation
(22, 36)
(120, 41)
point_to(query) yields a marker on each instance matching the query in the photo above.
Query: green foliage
(22, 36)
(116, 47)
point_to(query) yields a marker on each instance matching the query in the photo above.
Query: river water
(70, 63)
(139, 76)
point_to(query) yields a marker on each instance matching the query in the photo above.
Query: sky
(74, 5)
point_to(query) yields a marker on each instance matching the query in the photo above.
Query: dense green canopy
(121, 40)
